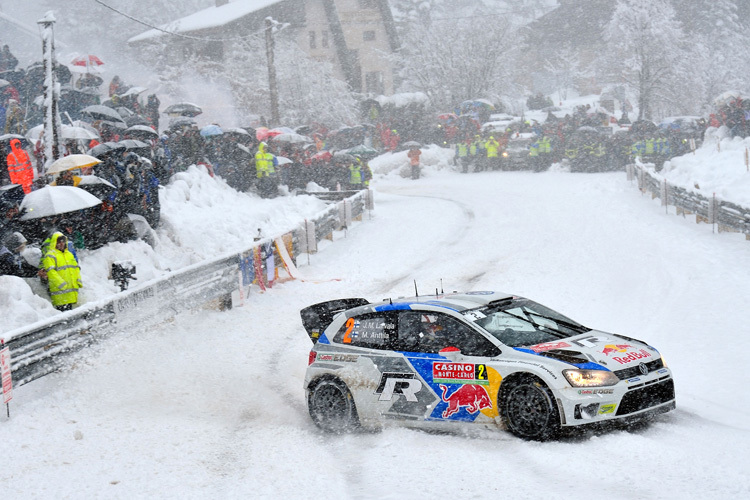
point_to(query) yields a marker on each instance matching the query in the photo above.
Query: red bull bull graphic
(471, 396)
(612, 348)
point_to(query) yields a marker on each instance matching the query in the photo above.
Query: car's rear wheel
(528, 408)
(331, 406)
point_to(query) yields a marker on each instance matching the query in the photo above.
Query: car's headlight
(664, 362)
(590, 378)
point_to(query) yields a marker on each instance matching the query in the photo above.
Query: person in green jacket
(62, 272)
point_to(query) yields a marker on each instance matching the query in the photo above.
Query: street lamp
(52, 124)
(272, 27)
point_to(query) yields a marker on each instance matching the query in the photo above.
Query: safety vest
(571, 153)
(545, 145)
(462, 149)
(355, 174)
(534, 149)
(492, 146)
(63, 274)
(638, 148)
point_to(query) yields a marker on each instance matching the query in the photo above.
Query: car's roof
(454, 301)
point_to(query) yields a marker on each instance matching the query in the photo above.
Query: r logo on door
(398, 383)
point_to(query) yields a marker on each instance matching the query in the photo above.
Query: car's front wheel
(528, 408)
(331, 406)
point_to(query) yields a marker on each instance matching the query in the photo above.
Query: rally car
(477, 357)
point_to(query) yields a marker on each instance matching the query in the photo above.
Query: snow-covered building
(354, 35)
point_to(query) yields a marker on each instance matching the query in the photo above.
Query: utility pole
(273, 90)
(52, 123)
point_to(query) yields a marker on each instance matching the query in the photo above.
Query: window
(431, 332)
(324, 39)
(368, 36)
(375, 331)
(313, 44)
(374, 83)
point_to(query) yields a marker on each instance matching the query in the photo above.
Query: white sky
(211, 405)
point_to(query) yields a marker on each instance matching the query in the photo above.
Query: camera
(121, 273)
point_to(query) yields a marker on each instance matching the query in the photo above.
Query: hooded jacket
(19, 166)
(263, 162)
(63, 273)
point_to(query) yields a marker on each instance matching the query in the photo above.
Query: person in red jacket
(19, 166)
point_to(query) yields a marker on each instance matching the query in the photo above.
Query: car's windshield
(523, 322)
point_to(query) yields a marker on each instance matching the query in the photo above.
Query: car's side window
(432, 332)
(373, 330)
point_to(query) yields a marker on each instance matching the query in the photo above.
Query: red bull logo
(612, 348)
(472, 396)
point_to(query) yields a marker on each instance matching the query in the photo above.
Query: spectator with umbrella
(11, 261)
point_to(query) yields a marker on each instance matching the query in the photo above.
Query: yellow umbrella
(72, 161)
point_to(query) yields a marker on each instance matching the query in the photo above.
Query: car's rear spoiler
(317, 317)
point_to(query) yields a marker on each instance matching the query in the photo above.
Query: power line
(200, 39)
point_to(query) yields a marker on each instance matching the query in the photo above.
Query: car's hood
(612, 351)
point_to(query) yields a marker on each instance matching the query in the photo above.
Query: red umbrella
(89, 63)
(262, 133)
(322, 155)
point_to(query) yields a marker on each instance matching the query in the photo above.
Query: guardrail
(729, 217)
(41, 348)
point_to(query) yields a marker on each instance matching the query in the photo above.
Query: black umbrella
(135, 120)
(11, 195)
(104, 149)
(101, 188)
(142, 131)
(99, 112)
(183, 109)
(132, 144)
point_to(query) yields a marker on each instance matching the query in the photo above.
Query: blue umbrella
(210, 130)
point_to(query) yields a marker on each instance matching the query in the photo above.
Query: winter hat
(14, 241)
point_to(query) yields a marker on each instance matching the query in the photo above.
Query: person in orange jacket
(19, 166)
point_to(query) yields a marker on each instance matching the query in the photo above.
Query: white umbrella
(35, 133)
(292, 139)
(72, 161)
(134, 90)
(69, 132)
(282, 160)
(54, 200)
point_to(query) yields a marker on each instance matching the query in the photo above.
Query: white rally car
(476, 357)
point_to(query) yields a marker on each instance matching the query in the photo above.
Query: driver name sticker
(548, 346)
(459, 373)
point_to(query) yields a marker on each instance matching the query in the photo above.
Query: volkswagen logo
(643, 368)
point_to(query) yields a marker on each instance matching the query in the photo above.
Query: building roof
(207, 19)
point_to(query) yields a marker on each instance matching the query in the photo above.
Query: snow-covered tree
(453, 62)
(646, 48)
(719, 42)
(565, 67)
(308, 91)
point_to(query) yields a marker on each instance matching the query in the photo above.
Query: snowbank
(190, 232)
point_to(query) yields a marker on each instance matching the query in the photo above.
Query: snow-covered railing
(40, 348)
(729, 217)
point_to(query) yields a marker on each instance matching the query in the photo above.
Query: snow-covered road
(212, 406)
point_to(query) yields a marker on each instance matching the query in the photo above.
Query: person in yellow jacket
(63, 273)
(492, 147)
(264, 170)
